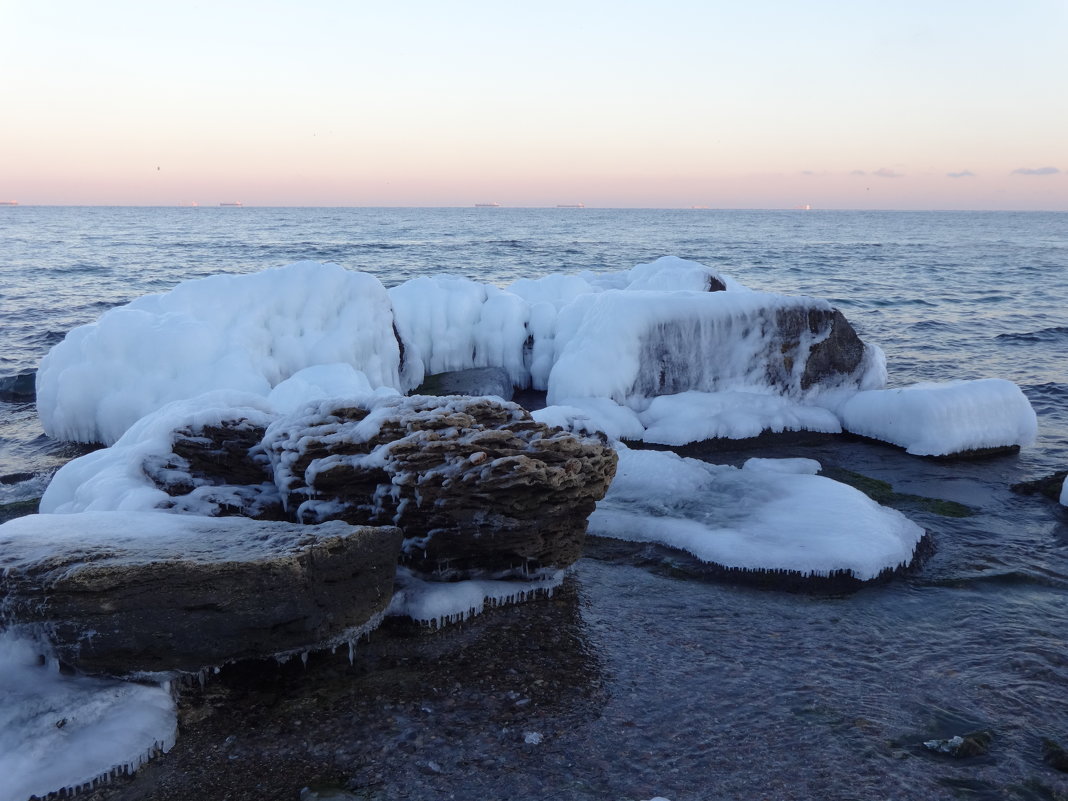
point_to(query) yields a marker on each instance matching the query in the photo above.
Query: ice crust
(940, 419)
(752, 519)
(60, 732)
(439, 603)
(238, 332)
(307, 331)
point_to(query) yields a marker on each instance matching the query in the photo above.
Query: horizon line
(500, 207)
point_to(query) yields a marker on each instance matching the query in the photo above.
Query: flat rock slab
(134, 592)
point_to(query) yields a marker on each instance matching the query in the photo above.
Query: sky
(912, 104)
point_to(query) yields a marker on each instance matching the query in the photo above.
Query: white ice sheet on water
(752, 519)
(59, 732)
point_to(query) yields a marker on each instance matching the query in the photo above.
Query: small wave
(1054, 334)
(20, 388)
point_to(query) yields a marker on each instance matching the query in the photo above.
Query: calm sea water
(703, 690)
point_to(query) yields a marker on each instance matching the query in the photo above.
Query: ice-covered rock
(236, 332)
(944, 419)
(694, 416)
(636, 344)
(477, 485)
(210, 473)
(753, 520)
(450, 323)
(130, 592)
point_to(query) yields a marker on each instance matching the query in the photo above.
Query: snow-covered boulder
(129, 592)
(235, 332)
(944, 419)
(753, 521)
(639, 344)
(477, 485)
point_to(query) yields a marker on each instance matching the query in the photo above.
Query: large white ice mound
(239, 332)
(59, 732)
(942, 419)
(451, 323)
(1064, 492)
(752, 519)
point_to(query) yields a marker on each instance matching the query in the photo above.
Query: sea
(665, 684)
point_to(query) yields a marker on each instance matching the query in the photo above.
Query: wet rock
(1055, 756)
(1050, 486)
(474, 382)
(477, 485)
(962, 746)
(20, 388)
(123, 593)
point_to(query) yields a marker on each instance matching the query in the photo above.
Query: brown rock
(123, 593)
(477, 485)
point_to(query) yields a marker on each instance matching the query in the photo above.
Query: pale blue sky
(760, 104)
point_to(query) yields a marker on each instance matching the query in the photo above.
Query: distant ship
(804, 207)
(487, 205)
(570, 205)
(698, 207)
(233, 203)
(9, 202)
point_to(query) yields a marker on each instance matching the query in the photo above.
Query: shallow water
(651, 683)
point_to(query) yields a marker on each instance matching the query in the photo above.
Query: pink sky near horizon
(772, 106)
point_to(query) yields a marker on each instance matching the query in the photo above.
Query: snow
(60, 732)
(752, 519)
(47, 542)
(590, 415)
(693, 416)
(809, 467)
(337, 380)
(237, 332)
(452, 323)
(628, 344)
(112, 479)
(940, 419)
(438, 603)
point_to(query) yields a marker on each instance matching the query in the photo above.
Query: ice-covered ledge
(944, 419)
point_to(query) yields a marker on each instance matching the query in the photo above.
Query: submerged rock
(962, 746)
(477, 485)
(1054, 755)
(124, 593)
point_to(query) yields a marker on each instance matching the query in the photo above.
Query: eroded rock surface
(477, 485)
(123, 593)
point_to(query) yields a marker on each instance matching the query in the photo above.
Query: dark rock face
(805, 346)
(476, 381)
(1049, 486)
(215, 469)
(477, 485)
(822, 338)
(203, 593)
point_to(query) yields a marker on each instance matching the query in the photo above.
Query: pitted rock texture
(477, 486)
(217, 469)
